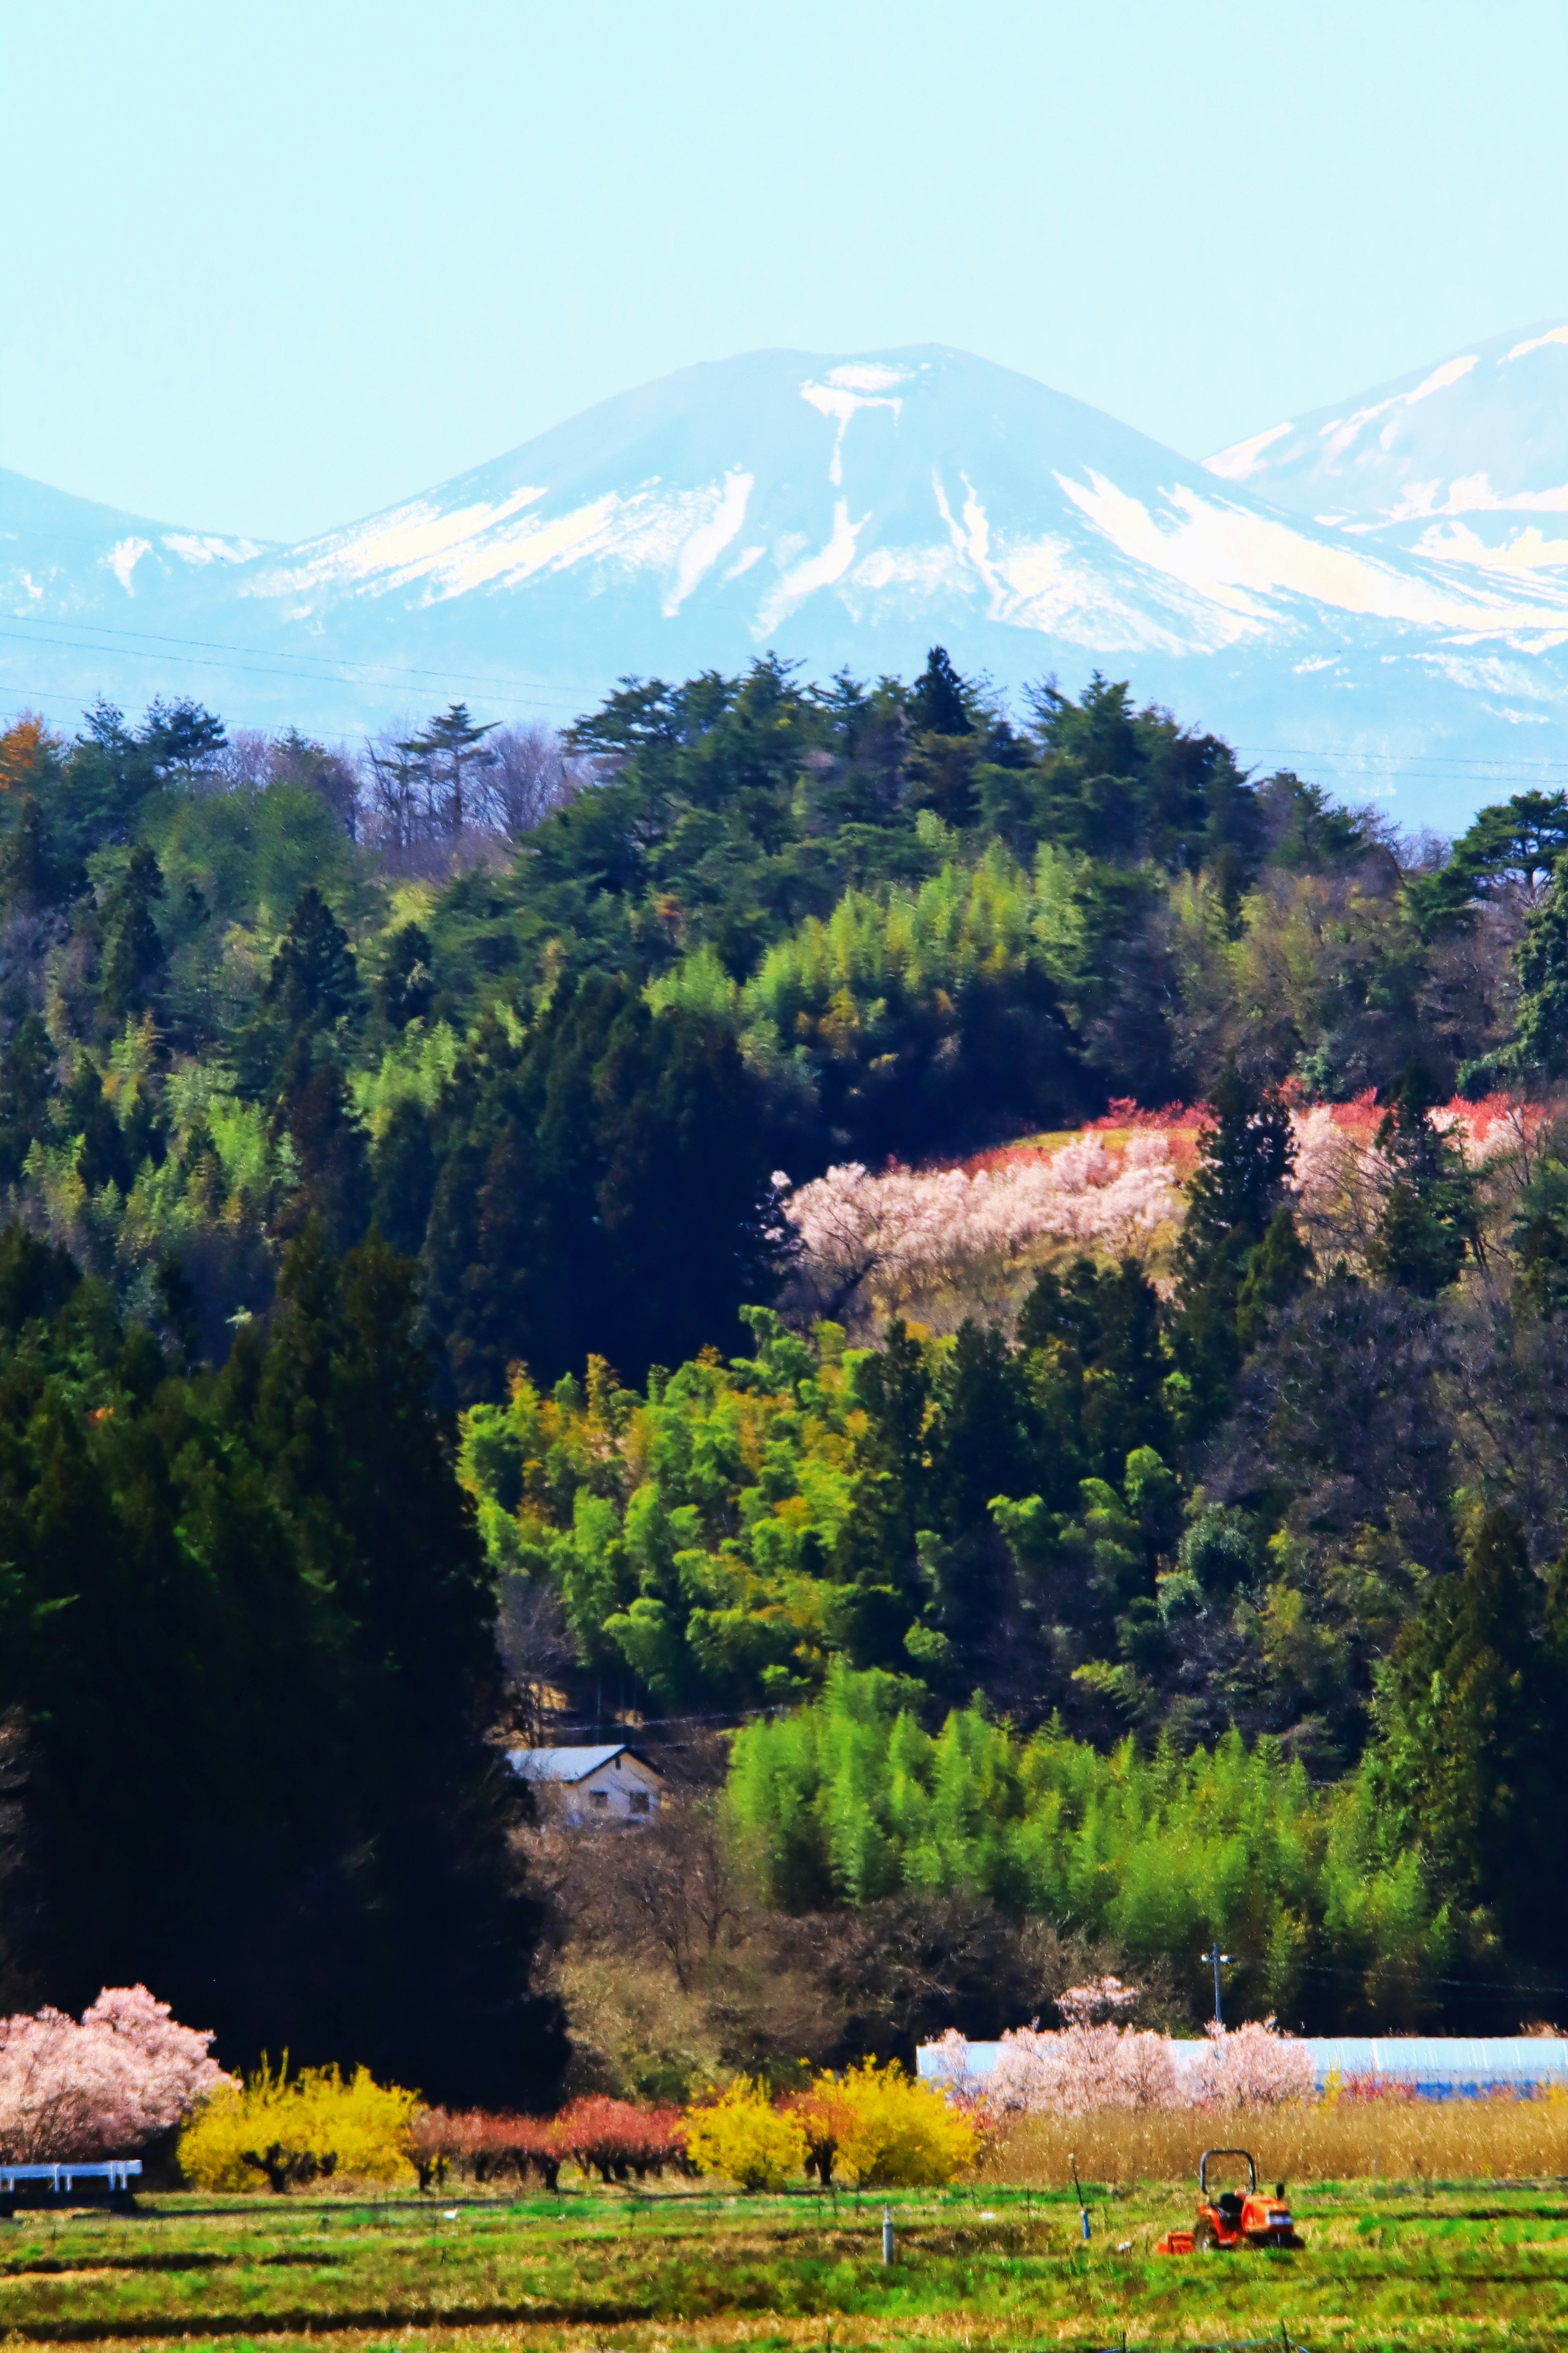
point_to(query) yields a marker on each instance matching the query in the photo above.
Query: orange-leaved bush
(743, 2136)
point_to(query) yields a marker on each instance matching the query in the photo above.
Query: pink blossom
(1083, 2069)
(893, 1240)
(1102, 1998)
(100, 2089)
(1252, 2066)
(1087, 2069)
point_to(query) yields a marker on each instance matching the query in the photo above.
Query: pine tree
(450, 749)
(133, 953)
(1245, 1157)
(30, 879)
(938, 702)
(1538, 1047)
(312, 999)
(1428, 1214)
(1469, 1755)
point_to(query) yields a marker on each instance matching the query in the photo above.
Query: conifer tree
(452, 748)
(1428, 1214)
(1233, 1199)
(1538, 1047)
(133, 953)
(938, 704)
(1468, 1756)
(30, 878)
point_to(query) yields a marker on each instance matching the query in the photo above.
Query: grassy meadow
(1428, 2263)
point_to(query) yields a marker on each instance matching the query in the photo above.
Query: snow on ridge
(1234, 556)
(403, 545)
(1339, 432)
(708, 542)
(1236, 463)
(200, 547)
(1535, 343)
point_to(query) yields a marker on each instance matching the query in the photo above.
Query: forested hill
(549, 1024)
(481, 1071)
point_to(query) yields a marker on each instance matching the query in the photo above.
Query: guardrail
(59, 2180)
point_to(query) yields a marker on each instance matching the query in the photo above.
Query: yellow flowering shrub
(297, 2129)
(742, 2135)
(879, 2126)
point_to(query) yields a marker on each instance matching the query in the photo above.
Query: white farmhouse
(591, 1785)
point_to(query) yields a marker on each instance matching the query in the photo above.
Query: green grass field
(1449, 2266)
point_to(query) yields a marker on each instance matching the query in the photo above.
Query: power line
(153, 638)
(296, 677)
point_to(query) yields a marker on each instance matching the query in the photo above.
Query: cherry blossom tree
(889, 1243)
(104, 2087)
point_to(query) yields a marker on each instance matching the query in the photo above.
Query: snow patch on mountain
(1382, 575)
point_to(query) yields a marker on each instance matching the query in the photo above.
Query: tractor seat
(1230, 2207)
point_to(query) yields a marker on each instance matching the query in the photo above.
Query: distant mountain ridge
(1381, 584)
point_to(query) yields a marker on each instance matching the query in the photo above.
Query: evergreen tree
(1107, 1320)
(939, 700)
(406, 984)
(893, 1386)
(102, 1158)
(133, 953)
(604, 1190)
(1540, 1235)
(1468, 1756)
(1246, 1156)
(249, 1626)
(1275, 1272)
(312, 999)
(405, 1173)
(330, 1153)
(1538, 1047)
(450, 749)
(30, 879)
(1429, 1215)
(28, 1068)
(314, 981)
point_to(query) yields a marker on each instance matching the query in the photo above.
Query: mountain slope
(1483, 434)
(844, 510)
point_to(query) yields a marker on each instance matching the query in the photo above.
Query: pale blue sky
(265, 268)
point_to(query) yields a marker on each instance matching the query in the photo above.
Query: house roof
(572, 1764)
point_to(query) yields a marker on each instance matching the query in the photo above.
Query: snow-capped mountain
(1419, 463)
(850, 510)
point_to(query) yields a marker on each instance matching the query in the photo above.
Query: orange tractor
(1229, 2219)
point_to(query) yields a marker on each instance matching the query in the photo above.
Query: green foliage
(1469, 1757)
(724, 1535)
(1429, 1211)
(246, 1622)
(1539, 1048)
(851, 1798)
(601, 1180)
(1239, 1254)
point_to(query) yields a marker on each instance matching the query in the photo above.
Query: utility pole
(1216, 1957)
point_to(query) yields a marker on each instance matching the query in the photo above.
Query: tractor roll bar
(1204, 2169)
